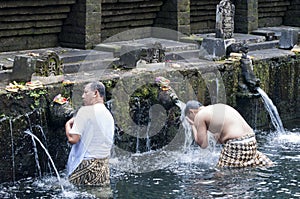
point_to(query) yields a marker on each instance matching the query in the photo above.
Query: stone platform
(104, 56)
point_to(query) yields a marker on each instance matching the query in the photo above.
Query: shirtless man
(229, 129)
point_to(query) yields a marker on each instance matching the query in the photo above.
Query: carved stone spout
(249, 82)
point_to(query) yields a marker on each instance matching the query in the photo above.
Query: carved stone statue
(225, 19)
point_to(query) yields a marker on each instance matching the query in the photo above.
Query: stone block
(184, 29)
(270, 35)
(214, 48)
(183, 6)
(288, 39)
(184, 18)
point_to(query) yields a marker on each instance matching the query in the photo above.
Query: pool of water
(188, 174)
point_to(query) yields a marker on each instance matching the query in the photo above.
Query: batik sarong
(242, 152)
(91, 172)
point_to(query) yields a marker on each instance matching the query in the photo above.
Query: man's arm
(200, 131)
(72, 138)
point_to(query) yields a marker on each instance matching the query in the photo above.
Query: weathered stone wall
(31, 24)
(82, 28)
(292, 17)
(246, 16)
(203, 16)
(175, 15)
(122, 15)
(271, 13)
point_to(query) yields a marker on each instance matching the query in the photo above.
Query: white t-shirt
(95, 124)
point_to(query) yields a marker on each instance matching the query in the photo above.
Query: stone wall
(122, 15)
(246, 16)
(271, 13)
(292, 17)
(31, 24)
(175, 15)
(82, 28)
(203, 16)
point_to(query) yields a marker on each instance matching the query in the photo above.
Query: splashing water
(46, 151)
(187, 127)
(271, 108)
(188, 131)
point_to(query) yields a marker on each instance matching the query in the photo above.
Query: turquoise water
(189, 174)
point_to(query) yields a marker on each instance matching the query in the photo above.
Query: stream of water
(46, 151)
(272, 110)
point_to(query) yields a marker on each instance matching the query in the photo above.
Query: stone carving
(49, 64)
(152, 53)
(225, 19)
(45, 64)
(249, 81)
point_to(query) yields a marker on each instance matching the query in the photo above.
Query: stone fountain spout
(249, 82)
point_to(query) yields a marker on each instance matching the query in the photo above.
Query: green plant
(36, 94)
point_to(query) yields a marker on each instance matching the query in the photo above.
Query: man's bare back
(223, 121)
(230, 129)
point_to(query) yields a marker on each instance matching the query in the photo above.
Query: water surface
(189, 174)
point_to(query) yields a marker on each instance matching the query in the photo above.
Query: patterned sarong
(91, 172)
(242, 152)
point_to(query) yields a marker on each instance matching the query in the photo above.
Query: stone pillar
(246, 16)
(175, 15)
(82, 29)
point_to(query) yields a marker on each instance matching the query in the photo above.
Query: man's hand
(70, 123)
(72, 138)
(190, 121)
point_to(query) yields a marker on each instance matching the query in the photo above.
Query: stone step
(167, 45)
(179, 55)
(81, 55)
(270, 35)
(263, 45)
(86, 60)
(88, 65)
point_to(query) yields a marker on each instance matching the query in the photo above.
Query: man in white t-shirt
(91, 132)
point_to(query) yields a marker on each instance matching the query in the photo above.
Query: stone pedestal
(288, 39)
(214, 48)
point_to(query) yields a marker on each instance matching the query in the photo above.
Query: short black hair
(99, 86)
(192, 104)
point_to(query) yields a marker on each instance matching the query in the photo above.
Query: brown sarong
(242, 152)
(91, 172)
